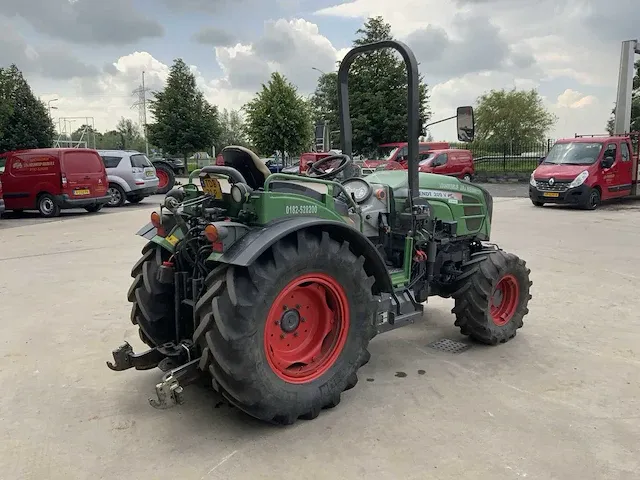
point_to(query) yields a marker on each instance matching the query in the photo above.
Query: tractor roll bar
(346, 135)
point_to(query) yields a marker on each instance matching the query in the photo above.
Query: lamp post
(50, 107)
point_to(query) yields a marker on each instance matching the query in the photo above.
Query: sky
(90, 54)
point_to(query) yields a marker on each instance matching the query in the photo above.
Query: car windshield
(574, 153)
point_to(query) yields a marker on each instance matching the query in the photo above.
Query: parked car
(2, 208)
(452, 162)
(131, 174)
(51, 179)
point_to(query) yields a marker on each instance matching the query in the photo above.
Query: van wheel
(118, 197)
(47, 206)
(467, 177)
(593, 200)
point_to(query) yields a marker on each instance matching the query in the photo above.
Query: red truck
(587, 170)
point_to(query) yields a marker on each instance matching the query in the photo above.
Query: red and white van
(585, 171)
(398, 152)
(51, 179)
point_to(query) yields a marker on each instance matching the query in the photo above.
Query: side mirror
(466, 124)
(607, 162)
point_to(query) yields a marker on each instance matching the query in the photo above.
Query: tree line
(279, 118)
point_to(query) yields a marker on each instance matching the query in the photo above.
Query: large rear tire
(283, 338)
(492, 299)
(166, 177)
(153, 302)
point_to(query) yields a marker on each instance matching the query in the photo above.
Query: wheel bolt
(302, 320)
(297, 307)
(295, 334)
(277, 322)
(284, 307)
(282, 335)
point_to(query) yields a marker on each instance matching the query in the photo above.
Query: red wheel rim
(163, 177)
(306, 328)
(504, 300)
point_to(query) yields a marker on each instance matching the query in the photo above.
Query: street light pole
(50, 107)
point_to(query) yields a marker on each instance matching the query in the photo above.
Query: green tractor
(270, 287)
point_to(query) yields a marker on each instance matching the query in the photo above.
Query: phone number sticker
(301, 209)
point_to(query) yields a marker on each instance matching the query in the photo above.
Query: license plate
(551, 194)
(82, 191)
(150, 174)
(211, 186)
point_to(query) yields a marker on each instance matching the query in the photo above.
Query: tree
(515, 116)
(377, 93)
(24, 119)
(184, 121)
(232, 130)
(278, 119)
(635, 105)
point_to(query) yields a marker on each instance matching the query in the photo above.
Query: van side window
(610, 151)
(110, 162)
(140, 161)
(624, 151)
(440, 160)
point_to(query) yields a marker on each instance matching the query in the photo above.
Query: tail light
(64, 180)
(156, 221)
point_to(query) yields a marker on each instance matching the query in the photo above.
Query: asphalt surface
(559, 401)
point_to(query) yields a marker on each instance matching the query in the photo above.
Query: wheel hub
(290, 320)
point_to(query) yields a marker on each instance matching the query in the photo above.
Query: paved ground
(560, 401)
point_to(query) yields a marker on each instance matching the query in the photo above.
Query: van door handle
(87, 178)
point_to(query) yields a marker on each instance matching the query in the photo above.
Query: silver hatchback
(131, 175)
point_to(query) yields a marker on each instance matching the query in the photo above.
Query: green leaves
(184, 121)
(278, 119)
(24, 120)
(377, 93)
(512, 116)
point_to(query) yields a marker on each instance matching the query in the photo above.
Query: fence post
(504, 158)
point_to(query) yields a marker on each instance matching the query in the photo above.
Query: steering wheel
(316, 172)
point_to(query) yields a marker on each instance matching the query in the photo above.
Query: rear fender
(119, 181)
(169, 242)
(257, 241)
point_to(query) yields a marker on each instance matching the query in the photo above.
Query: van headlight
(532, 181)
(579, 180)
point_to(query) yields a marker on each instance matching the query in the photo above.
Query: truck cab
(585, 171)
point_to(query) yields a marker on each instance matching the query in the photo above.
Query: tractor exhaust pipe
(346, 135)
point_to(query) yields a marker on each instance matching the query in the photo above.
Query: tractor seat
(247, 163)
(309, 189)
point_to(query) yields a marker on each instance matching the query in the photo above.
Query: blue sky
(89, 54)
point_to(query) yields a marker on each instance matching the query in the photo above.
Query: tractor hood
(559, 171)
(431, 185)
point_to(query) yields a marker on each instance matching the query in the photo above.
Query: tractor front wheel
(283, 338)
(492, 297)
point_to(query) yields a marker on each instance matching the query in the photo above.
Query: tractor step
(397, 310)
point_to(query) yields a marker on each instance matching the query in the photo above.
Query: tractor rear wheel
(153, 302)
(283, 338)
(492, 298)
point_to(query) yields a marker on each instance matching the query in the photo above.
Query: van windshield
(384, 153)
(427, 160)
(574, 153)
(3, 162)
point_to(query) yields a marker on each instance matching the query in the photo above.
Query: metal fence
(509, 158)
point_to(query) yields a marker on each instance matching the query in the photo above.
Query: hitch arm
(124, 358)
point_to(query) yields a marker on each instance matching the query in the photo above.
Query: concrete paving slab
(560, 401)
